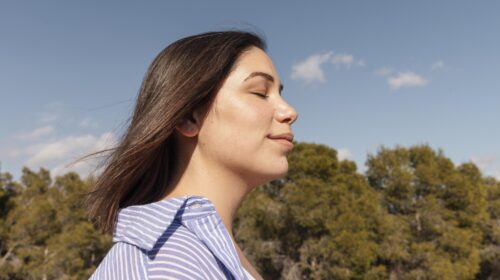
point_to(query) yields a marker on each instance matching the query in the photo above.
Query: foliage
(45, 232)
(412, 215)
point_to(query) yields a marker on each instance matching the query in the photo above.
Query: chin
(278, 173)
(267, 171)
(264, 177)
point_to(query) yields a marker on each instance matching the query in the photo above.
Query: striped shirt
(176, 238)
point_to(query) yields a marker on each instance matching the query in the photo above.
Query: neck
(225, 189)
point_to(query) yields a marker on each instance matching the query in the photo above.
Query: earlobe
(187, 127)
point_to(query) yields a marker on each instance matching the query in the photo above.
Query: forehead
(253, 60)
(255, 57)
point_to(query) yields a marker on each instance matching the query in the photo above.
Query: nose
(286, 113)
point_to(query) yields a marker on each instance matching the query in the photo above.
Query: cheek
(243, 119)
(236, 137)
(237, 127)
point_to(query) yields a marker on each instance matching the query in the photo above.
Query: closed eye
(263, 95)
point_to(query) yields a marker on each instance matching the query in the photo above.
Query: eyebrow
(265, 75)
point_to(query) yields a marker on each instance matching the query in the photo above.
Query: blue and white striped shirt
(177, 238)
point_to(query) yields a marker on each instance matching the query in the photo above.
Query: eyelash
(264, 96)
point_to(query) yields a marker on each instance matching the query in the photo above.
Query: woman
(209, 125)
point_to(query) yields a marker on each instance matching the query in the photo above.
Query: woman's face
(237, 129)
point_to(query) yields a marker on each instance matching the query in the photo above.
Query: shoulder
(123, 261)
(180, 253)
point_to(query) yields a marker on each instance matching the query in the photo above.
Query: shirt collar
(143, 225)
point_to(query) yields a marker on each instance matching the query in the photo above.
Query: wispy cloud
(346, 60)
(51, 113)
(310, 70)
(406, 79)
(437, 65)
(88, 123)
(48, 146)
(344, 153)
(48, 117)
(343, 59)
(383, 71)
(35, 134)
(483, 162)
(488, 164)
(497, 175)
(59, 153)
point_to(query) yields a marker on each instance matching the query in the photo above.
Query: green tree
(490, 249)
(31, 223)
(79, 246)
(442, 208)
(413, 215)
(322, 221)
(49, 235)
(8, 192)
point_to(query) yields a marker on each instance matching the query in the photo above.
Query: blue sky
(360, 74)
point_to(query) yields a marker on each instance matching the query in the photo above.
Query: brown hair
(184, 76)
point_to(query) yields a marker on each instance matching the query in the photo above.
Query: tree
(443, 210)
(49, 235)
(490, 248)
(413, 215)
(8, 192)
(322, 221)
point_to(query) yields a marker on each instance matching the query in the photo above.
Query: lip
(288, 136)
(284, 140)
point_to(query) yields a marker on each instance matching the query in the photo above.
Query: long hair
(183, 77)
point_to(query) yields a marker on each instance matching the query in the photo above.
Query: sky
(361, 74)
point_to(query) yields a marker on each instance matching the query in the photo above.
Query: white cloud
(51, 113)
(49, 152)
(383, 71)
(310, 70)
(497, 175)
(344, 154)
(488, 164)
(406, 79)
(437, 65)
(483, 162)
(36, 133)
(88, 123)
(48, 117)
(342, 59)
(59, 153)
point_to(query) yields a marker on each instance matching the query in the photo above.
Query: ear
(189, 126)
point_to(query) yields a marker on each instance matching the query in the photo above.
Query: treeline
(412, 215)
